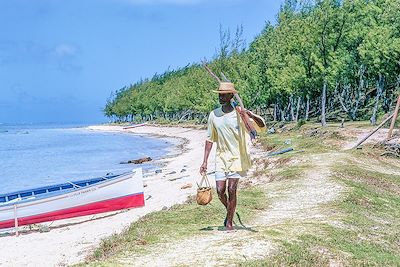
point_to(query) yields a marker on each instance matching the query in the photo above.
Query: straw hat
(226, 88)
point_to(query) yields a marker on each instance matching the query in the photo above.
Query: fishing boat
(72, 199)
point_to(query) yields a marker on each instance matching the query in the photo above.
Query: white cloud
(65, 50)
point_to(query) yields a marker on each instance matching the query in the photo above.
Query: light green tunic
(229, 132)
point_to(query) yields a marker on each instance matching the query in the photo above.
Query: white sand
(70, 241)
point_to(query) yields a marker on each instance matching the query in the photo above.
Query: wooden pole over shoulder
(242, 111)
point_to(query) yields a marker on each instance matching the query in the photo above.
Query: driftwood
(374, 131)
(134, 126)
(177, 178)
(280, 152)
(392, 150)
(137, 161)
(186, 186)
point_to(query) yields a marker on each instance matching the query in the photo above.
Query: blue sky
(60, 60)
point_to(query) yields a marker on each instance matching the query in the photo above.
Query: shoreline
(69, 241)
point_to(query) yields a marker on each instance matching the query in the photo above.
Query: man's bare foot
(229, 227)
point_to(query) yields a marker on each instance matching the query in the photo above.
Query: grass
(308, 138)
(178, 222)
(291, 254)
(368, 232)
(364, 229)
(293, 171)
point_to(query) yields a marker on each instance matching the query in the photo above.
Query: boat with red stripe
(72, 199)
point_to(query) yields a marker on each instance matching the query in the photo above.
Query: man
(226, 128)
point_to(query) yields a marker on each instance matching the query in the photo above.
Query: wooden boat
(72, 199)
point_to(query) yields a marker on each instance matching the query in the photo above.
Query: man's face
(225, 98)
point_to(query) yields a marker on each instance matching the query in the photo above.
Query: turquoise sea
(37, 155)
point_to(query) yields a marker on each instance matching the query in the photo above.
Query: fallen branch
(280, 152)
(177, 178)
(391, 149)
(374, 131)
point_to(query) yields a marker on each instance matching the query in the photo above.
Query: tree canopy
(323, 59)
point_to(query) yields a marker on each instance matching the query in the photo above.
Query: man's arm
(207, 149)
(259, 121)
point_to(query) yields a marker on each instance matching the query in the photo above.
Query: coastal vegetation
(322, 60)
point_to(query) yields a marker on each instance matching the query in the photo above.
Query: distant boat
(134, 126)
(72, 199)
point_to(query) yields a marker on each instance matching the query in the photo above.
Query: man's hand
(207, 148)
(203, 168)
(257, 119)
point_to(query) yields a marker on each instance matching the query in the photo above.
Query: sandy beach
(70, 241)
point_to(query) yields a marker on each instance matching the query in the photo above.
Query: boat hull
(122, 192)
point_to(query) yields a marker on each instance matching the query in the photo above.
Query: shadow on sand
(241, 226)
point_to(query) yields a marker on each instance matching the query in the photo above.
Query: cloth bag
(204, 194)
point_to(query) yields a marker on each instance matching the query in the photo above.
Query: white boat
(72, 199)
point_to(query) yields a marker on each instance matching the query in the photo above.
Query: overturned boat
(72, 199)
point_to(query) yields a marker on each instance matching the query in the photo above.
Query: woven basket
(204, 194)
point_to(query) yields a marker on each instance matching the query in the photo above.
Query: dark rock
(137, 161)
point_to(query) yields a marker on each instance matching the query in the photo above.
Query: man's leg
(231, 207)
(221, 191)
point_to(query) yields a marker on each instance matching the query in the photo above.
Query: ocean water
(38, 155)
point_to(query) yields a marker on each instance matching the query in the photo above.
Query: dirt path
(300, 199)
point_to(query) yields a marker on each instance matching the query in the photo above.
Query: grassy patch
(177, 222)
(291, 254)
(292, 172)
(373, 208)
(366, 231)
(309, 138)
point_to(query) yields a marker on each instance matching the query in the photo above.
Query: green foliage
(348, 44)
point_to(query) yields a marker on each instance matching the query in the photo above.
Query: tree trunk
(323, 104)
(307, 108)
(291, 108)
(298, 109)
(395, 114)
(360, 93)
(379, 87)
(282, 115)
